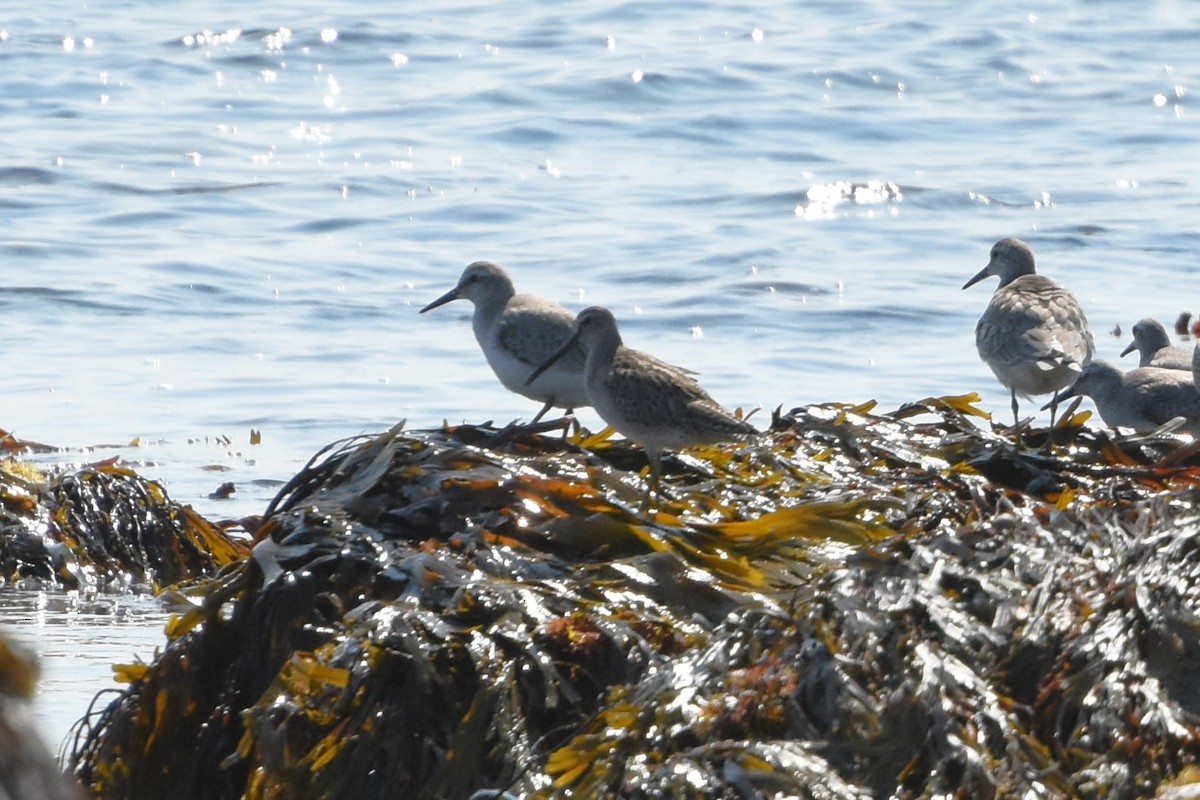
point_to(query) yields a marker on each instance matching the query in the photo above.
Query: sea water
(223, 218)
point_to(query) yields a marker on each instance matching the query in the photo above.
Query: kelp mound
(855, 605)
(103, 527)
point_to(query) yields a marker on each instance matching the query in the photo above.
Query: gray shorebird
(650, 402)
(517, 332)
(1154, 347)
(1142, 399)
(1033, 334)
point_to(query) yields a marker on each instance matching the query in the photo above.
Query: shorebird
(1154, 347)
(517, 332)
(1142, 399)
(650, 402)
(1034, 334)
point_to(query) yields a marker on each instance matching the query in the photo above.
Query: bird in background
(650, 402)
(1154, 347)
(1033, 335)
(517, 332)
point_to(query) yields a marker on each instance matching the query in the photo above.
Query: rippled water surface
(220, 217)
(78, 641)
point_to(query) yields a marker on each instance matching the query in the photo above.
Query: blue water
(222, 217)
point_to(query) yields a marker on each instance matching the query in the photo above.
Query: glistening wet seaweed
(103, 527)
(855, 605)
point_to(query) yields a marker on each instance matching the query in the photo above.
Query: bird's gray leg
(570, 413)
(573, 427)
(549, 405)
(1016, 416)
(1053, 413)
(655, 460)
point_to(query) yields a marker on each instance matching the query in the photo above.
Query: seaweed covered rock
(856, 605)
(101, 527)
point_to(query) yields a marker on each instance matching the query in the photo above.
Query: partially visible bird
(650, 402)
(1033, 334)
(1154, 347)
(1141, 399)
(517, 332)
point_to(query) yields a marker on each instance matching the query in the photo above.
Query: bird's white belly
(1029, 379)
(561, 386)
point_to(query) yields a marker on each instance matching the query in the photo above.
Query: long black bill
(1130, 349)
(549, 362)
(441, 301)
(1065, 394)
(983, 273)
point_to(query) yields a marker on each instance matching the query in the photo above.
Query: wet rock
(856, 605)
(103, 527)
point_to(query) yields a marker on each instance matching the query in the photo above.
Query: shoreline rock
(857, 605)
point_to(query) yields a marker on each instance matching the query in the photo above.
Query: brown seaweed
(856, 605)
(104, 527)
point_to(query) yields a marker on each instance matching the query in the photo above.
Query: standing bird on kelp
(1154, 347)
(517, 332)
(650, 402)
(1034, 334)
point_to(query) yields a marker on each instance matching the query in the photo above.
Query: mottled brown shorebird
(650, 402)
(1033, 334)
